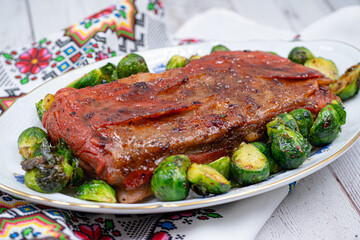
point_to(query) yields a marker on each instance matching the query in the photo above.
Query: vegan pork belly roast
(122, 130)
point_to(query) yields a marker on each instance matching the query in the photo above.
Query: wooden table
(324, 205)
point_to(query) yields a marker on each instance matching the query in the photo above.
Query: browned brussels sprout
(264, 149)
(289, 148)
(44, 104)
(249, 165)
(325, 66)
(206, 180)
(328, 124)
(304, 120)
(30, 141)
(283, 118)
(53, 169)
(347, 85)
(222, 165)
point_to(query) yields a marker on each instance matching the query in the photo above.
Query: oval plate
(22, 114)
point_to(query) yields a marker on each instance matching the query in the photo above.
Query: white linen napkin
(244, 219)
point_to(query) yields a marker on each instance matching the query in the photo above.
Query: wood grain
(15, 27)
(347, 172)
(54, 15)
(317, 208)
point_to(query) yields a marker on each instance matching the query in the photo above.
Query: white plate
(22, 115)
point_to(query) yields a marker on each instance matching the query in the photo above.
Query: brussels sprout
(90, 79)
(347, 85)
(64, 158)
(219, 48)
(283, 118)
(176, 61)
(169, 182)
(264, 149)
(222, 165)
(304, 120)
(206, 180)
(78, 174)
(44, 104)
(289, 148)
(108, 72)
(53, 169)
(327, 125)
(97, 191)
(325, 66)
(30, 180)
(249, 165)
(47, 175)
(300, 55)
(30, 141)
(193, 57)
(131, 64)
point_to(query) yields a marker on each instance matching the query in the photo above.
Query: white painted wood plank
(317, 208)
(52, 15)
(301, 14)
(264, 12)
(336, 4)
(347, 171)
(177, 12)
(15, 29)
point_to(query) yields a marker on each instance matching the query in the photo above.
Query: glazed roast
(122, 130)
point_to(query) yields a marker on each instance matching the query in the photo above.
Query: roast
(122, 130)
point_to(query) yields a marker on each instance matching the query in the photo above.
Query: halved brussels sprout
(327, 125)
(44, 104)
(283, 118)
(90, 79)
(206, 180)
(219, 48)
(249, 165)
(30, 180)
(264, 149)
(325, 66)
(289, 148)
(96, 190)
(176, 61)
(131, 64)
(222, 165)
(193, 57)
(300, 55)
(347, 85)
(304, 120)
(108, 72)
(169, 182)
(30, 141)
